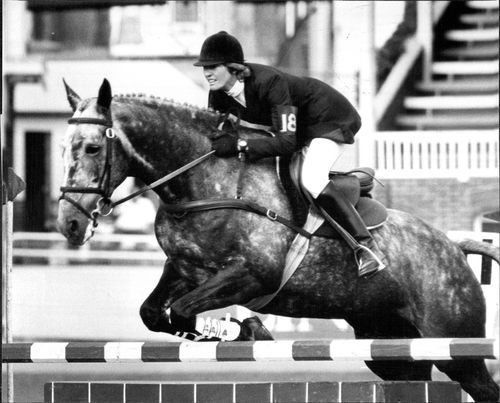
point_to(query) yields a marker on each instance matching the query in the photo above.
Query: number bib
(286, 119)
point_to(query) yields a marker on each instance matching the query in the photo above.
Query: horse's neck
(158, 148)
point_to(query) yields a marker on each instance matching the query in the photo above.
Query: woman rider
(304, 113)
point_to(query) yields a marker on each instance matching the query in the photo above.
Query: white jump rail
(276, 350)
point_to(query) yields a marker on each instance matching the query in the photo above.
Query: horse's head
(94, 165)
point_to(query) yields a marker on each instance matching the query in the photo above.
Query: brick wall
(447, 204)
(431, 392)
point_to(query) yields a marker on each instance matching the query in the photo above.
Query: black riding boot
(369, 257)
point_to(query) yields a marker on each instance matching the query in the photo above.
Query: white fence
(460, 154)
(52, 248)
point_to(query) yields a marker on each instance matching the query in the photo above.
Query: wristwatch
(242, 146)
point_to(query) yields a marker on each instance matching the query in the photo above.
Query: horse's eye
(92, 149)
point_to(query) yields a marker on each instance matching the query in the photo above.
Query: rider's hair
(240, 70)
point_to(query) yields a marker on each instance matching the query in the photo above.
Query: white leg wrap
(222, 329)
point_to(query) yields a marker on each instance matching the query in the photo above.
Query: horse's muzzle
(72, 224)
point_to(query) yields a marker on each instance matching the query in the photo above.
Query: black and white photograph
(250, 201)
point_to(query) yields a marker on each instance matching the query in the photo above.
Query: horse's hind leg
(253, 329)
(473, 377)
(391, 325)
(401, 370)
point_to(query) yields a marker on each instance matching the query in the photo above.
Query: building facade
(150, 49)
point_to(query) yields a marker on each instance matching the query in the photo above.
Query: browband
(95, 121)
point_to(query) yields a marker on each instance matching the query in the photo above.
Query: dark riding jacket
(321, 111)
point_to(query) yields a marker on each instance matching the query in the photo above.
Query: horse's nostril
(73, 226)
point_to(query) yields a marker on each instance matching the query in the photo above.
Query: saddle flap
(365, 177)
(372, 212)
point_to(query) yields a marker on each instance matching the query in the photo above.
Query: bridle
(103, 189)
(104, 205)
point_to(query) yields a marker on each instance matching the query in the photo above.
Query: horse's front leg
(232, 286)
(154, 310)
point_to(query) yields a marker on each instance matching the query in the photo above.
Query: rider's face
(219, 77)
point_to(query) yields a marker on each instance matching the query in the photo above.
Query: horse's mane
(134, 107)
(186, 113)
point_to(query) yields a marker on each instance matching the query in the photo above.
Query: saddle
(356, 184)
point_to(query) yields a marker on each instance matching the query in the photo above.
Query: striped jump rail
(282, 350)
(303, 392)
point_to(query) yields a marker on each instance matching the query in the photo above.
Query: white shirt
(238, 92)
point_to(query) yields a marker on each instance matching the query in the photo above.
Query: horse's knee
(182, 323)
(151, 317)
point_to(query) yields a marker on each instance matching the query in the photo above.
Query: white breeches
(319, 159)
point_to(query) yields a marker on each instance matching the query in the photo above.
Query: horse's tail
(470, 246)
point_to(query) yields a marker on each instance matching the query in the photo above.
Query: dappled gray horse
(226, 256)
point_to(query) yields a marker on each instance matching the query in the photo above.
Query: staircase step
(472, 35)
(481, 19)
(465, 67)
(478, 86)
(479, 51)
(449, 121)
(483, 4)
(452, 102)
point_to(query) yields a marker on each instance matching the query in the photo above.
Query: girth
(239, 204)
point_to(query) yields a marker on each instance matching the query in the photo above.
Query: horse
(228, 256)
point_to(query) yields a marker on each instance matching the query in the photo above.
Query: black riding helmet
(220, 48)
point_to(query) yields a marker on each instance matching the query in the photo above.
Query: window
(70, 30)
(186, 11)
(174, 29)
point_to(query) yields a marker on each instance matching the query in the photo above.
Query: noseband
(103, 205)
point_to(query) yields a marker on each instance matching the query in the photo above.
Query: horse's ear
(73, 97)
(105, 96)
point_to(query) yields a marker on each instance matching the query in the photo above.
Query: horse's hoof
(253, 329)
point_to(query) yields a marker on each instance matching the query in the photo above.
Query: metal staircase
(463, 90)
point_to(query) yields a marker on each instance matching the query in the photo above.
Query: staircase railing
(428, 15)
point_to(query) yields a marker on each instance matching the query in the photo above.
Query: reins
(161, 181)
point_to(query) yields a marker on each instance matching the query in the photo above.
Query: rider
(304, 113)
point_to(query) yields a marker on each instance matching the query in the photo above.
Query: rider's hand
(225, 146)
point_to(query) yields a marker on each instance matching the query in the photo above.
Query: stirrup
(221, 329)
(381, 265)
